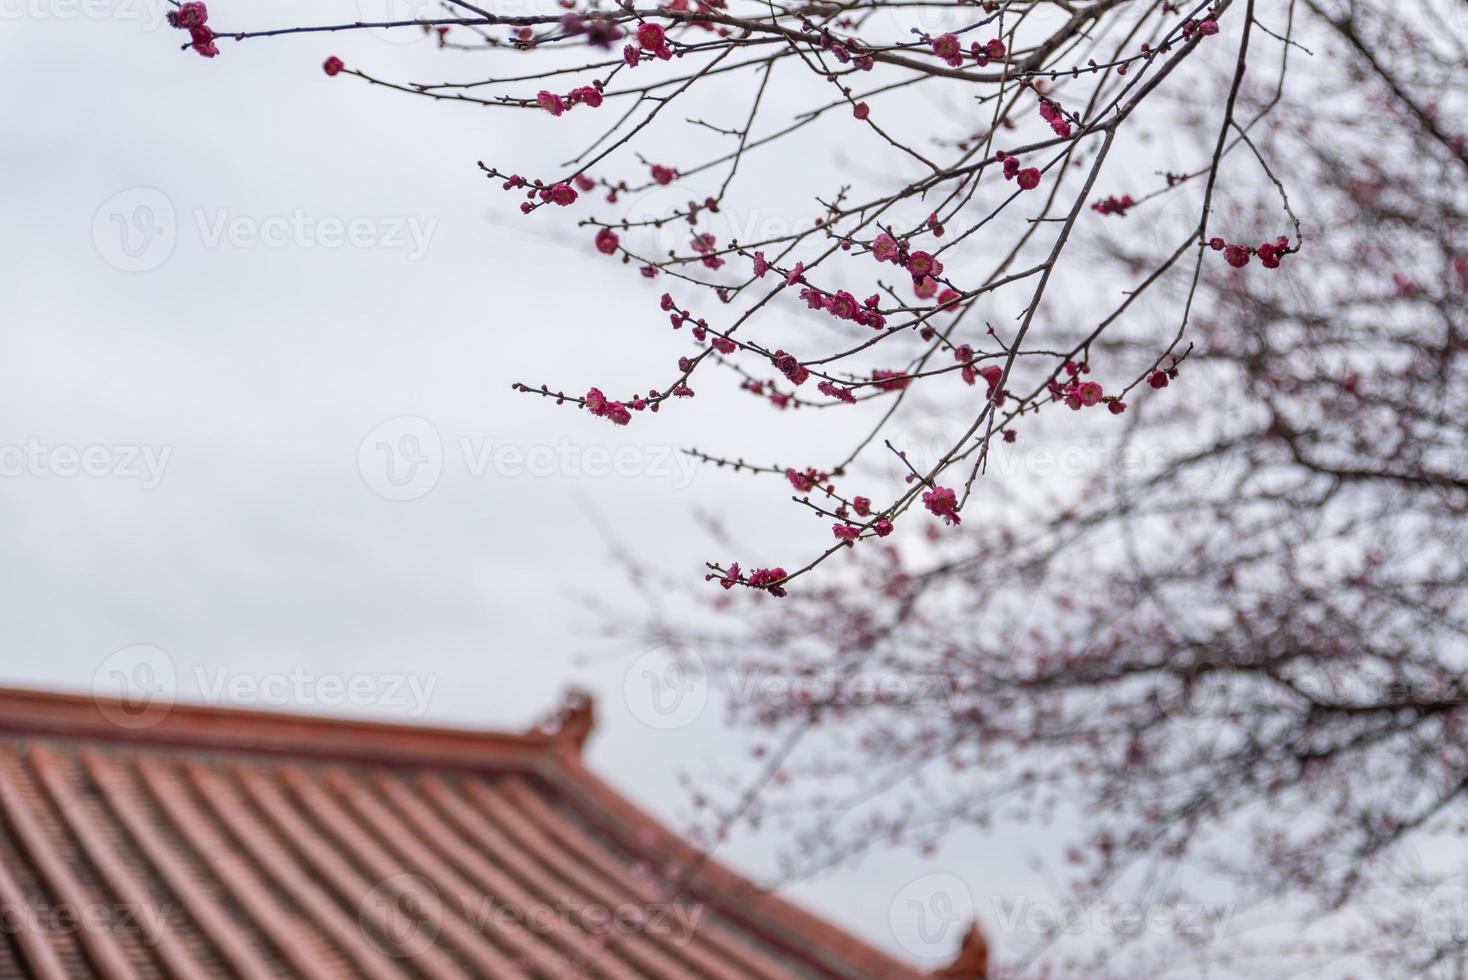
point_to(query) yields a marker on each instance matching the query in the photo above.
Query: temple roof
(194, 841)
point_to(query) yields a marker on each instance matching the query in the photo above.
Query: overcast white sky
(195, 413)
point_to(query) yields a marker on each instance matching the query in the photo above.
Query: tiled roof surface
(217, 842)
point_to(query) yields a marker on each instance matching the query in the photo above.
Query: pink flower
(891, 380)
(765, 578)
(883, 527)
(839, 392)
(203, 41)
(332, 65)
(1157, 379)
(606, 241)
(862, 506)
(1208, 27)
(760, 265)
(922, 264)
(793, 370)
(1118, 206)
(1028, 179)
(843, 305)
(846, 532)
(861, 110)
(804, 482)
(943, 502)
(946, 46)
(1236, 256)
(731, 577)
(650, 36)
(662, 174)
(884, 248)
(795, 274)
(1089, 392)
(597, 404)
(562, 194)
(550, 102)
(589, 94)
(188, 16)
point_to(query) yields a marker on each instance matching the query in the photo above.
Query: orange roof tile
(209, 842)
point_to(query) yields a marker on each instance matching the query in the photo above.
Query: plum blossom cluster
(768, 579)
(950, 49)
(924, 267)
(769, 391)
(943, 502)
(844, 306)
(1112, 204)
(599, 31)
(599, 405)
(559, 193)
(1051, 112)
(1237, 255)
(588, 95)
(991, 373)
(1028, 178)
(1078, 394)
(795, 372)
(652, 41)
(837, 391)
(193, 17)
(807, 480)
(701, 330)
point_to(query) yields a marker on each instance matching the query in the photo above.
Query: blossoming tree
(1240, 645)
